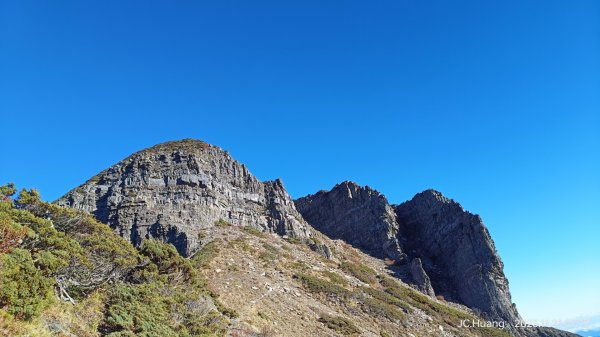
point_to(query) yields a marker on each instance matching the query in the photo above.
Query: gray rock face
(441, 249)
(321, 249)
(461, 249)
(360, 216)
(173, 190)
(420, 277)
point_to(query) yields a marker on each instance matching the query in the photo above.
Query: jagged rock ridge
(359, 216)
(458, 247)
(439, 247)
(173, 190)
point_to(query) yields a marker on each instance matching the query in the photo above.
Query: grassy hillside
(282, 288)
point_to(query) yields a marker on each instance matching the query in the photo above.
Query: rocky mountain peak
(354, 189)
(458, 254)
(359, 215)
(439, 248)
(173, 190)
(431, 196)
(185, 145)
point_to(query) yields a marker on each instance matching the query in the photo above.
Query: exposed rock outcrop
(450, 252)
(439, 247)
(468, 269)
(173, 190)
(359, 215)
(420, 277)
(321, 249)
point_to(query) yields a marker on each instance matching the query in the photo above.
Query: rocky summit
(438, 247)
(360, 216)
(459, 254)
(174, 190)
(344, 262)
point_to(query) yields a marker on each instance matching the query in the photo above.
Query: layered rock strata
(174, 190)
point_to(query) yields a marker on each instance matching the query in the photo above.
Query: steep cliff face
(173, 190)
(360, 216)
(462, 261)
(440, 248)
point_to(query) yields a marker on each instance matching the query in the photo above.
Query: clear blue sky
(494, 103)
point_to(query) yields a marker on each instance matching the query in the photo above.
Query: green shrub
(445, 313)
(254, 231)
(297, 265)
(387, 298)
(382, 309)
(294, 240)
(12, 233)
(158, 309)
(209, 325)
(150, 292)
(134, 310)
(267, 257)
(167, 260)
(493, 332)
(79, 250)
(317, 285)
(360, 271)
(335, 277)
(270, 248)
(222, 223)
(339, 324)
(231, 313)
(24, 291)
(205, 256)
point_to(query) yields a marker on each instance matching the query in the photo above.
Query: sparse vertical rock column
(282, 217)
(420, 277)
(359, 215)
(173, 190)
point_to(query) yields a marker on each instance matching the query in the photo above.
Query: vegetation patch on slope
(64, 273)
(339, 324)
